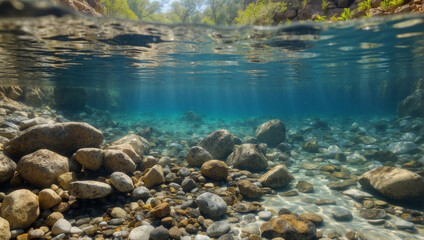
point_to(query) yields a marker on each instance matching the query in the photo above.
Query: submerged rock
(42, 168)
(211, 205)
(154, 176)
(219, 144)
(90, 158)
(7, 168)
(20, 208)
(48, 198)
(413, 105)
(249, 190)
(63, 138)
(121, 181)
(249, 157)
(140, 145)
(272, 132)
(289, 226)
(129, 150)
(4, 229)
(402, 147)
(394, 183)
(215, 169)
(118, 161)
(277, 177)
(196, 156)
(89, 189)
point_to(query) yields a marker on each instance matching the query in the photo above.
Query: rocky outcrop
(394, 183)
(248, 157)
(89, 7)
(62, 138)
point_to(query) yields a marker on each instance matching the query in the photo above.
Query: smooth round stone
(226, 237)
(342, 215)
(121, 181)
(251, 229)
(159, 233)
(201, 237)
(265, 215)
(249, 218)
(141, 233)
(218, 229)
(380, 203)
(402, 224)
(75, 230)
(117, 221)
(61, 226)
(36, 233)
(211, 205)
(316, 219)
(372, 213)
(184, 172)
(140, 193)
(118, 212)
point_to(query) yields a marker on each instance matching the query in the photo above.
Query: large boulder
(118, 161)
(396, 183)
(196, 156)
(140, 145)
(63, 138)
(248, 156)
(89, 189)
(272, 132)
(20, 208)
(289, 226)
(219, 144)
(211, 205)
(7, 168)
(42, 168)
(215, 169)
(277, 177)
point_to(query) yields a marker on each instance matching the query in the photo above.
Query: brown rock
(154, 176)
(48, 198)
(219, 144)
(4, 229)
(289, 227)
(215, 169)
(248, 157)
(20, 208)
(160, 211)
(7, 168)
(53, 217)
(316, 219)
(129, 150)
(140, 145)
(272, 132)
(196, 156)
(118, 161)
(249, 190)
(277, 177)
(90, 158)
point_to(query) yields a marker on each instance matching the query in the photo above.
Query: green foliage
(304, 2)
(118, 9)
(144, 9)
(389, 4)
(334, 18)
(365, 5)
(319, 18)
(324, 5)
(346, 15)
(261, 13)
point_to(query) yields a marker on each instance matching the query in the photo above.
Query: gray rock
(250, 218)
(89, 189)
(184, 172)
(413, 105)
(277, 177)
(357, 194)
(218, 229)
(7, 168)
(265, 215)
(159, 233)
(211, 205)
(121, 181)
(188, 184)
(402, 224)
(219, 144)
(62, 138)
(402, 147)
(272, 132)
(118, 161)
(140, 193)
(226, 237)
(141, 233)
(341, 214)
(372, 213)
(196, 156)
(61, 226)
(248, 157)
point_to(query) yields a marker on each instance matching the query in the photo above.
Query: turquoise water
(364, 67)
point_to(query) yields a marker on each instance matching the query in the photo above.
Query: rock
(244, 207)
(154, 176)
(7, 168)
(160, 211)
(394, 183)
(249, 157)
(413, 105)
(129, 150)
(48, 198)
(218, 229)
(372, 213)
(140, 145)
(199, 237)
(316, 219)
(289, 226)
(341, 214)
(10, 104)
(62, 138)
(118, 161)
(196, 156)
(249, 190)
(265, 215)
(36, 234)
(65, 179)
(357, 194)
(215, 169)
(272, 132)
(402, 224)
(141, 233)
(277, 177)
(42, 168)
(304, 187)
(118, 212)
(148, 162)
(175, 233)
(61, 226)
(402, 147)
(140, 193)
(121, 181)
(311, 147)
(219, 144)
(53, 217)
(4, 229)
(89, 189)
(159, 233)
(90, 158)
(20, 208)
(211, 205)
(188, 184)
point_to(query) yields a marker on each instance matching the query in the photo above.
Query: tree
(118, 8)
(144, 9)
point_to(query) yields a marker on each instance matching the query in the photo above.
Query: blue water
(365, 67)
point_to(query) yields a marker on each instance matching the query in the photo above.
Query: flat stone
(372, 213)
(376, 221)
(121, 181)
(265, 215)
(402, 224)
(342, 214)
(89, 189)
(357, 194)
(304, 187)
(218, 229)
(322, 202)
(291, 193)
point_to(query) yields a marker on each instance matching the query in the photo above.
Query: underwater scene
(118, 129)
